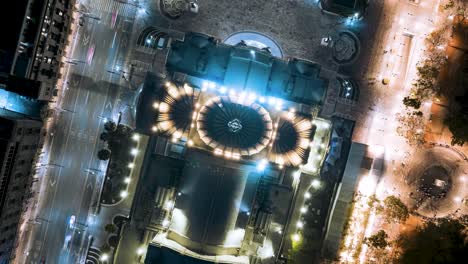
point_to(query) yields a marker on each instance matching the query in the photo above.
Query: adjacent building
(19, 141)
(34, 42)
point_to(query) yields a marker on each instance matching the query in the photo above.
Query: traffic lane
(65, 200)
(59, 208)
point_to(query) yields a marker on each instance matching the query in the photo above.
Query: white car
(71, 221)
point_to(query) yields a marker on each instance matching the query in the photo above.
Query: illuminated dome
(234, 127)
(291, 141)
(176, 110)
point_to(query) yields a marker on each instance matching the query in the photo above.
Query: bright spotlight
(104, 257)
(148, 41)
(131, 165)
(134, 151)
(315, 183)
(123, 194)
(140, 251)
(300, 224)
(271, 100)
(261, 166)
(303, 210)
(252, 52)
(296, 237)
(307, 195)
(297, 175)
(169, 205)
(136, 137)
(127, 180)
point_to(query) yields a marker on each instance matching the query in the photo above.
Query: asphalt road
(91, 94)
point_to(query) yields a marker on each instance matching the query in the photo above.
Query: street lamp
(141, 250)
(104, 257)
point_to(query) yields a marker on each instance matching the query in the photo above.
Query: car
(71, 221)
(66, 244)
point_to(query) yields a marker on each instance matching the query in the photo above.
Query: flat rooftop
(212, 209)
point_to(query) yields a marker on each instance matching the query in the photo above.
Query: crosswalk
(119, 7)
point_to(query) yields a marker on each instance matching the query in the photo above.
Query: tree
(110, 228)
(412, 102)
(110, 126)
(378, 240)
(104, 136)
(412, 128)
(444, 241)
(395, 210)
(458, 125)
(104, 154)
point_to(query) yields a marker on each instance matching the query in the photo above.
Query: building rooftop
(213, 205)
(345, 7)
(247, 68)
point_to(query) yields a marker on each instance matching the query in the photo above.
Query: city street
(91, 91)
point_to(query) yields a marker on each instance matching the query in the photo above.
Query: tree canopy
(104, 154)
(458, 125)
(412, 102)
(378, 240)
(444, 241)
(395, 210)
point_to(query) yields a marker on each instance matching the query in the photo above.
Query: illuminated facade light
(155, 105)
(190, 142)
(104, 257)
(303, 210)
(218, 152)
(169, 205)
(154, 128)
(307, 195)
(140, 251)
(296, 237)
(131, 165)
(316, 183)
(300, 224)
(127, 180)
(136, 137)
(261, 165)
(271, 100)
(123, 194)
(134, 151)
(297, 175)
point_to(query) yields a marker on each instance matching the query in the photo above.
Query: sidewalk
(107, 213)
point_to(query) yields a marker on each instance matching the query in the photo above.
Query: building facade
(19, 140)
(41, 43)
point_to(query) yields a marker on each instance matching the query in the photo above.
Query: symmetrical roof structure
(234, 124)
